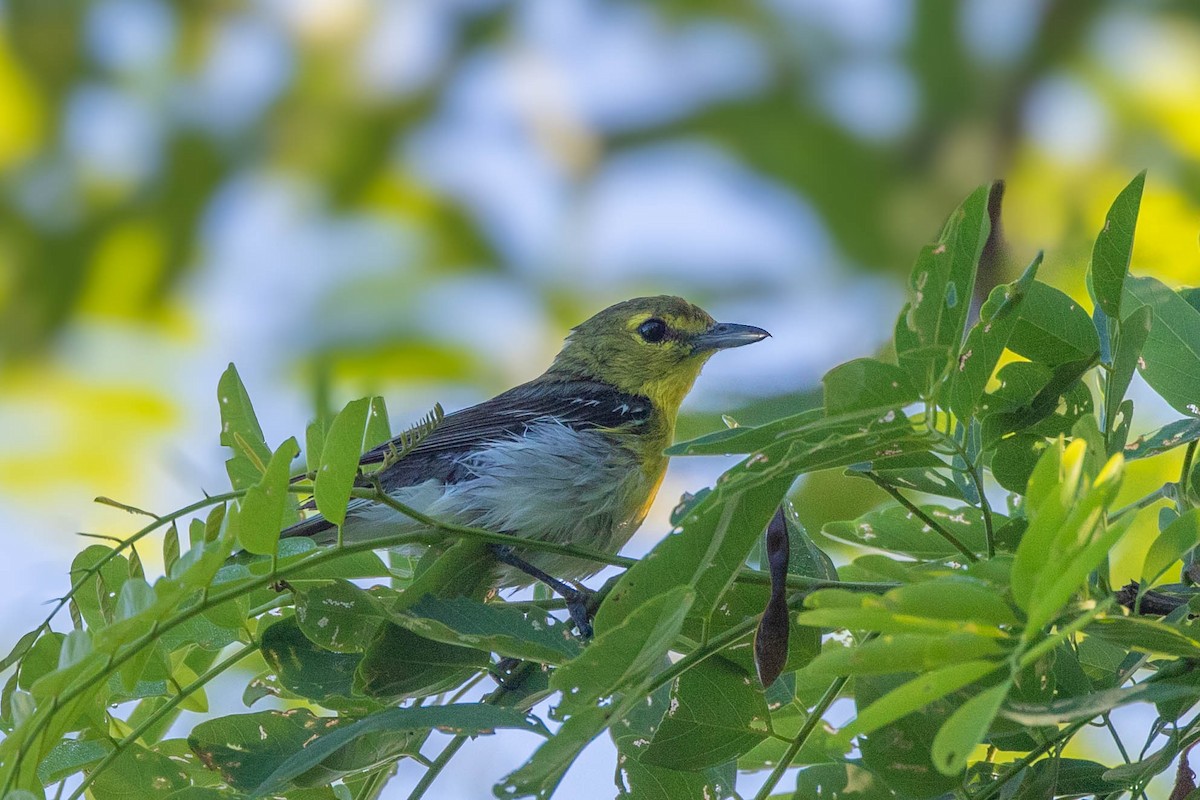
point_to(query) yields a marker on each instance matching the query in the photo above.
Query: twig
(158, 714)
(793, 748)
(921, 515)
(1162, 492)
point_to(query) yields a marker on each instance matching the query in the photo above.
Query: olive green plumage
(573, 456)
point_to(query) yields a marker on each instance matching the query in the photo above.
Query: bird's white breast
(554, 483)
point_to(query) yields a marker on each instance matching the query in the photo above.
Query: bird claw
(581, 606)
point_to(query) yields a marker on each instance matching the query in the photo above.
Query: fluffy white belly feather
(553, 484)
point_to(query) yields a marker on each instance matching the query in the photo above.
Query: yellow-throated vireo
(574, 456)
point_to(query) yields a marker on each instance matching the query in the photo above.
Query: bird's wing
(576, 404)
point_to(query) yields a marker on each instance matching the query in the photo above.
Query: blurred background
(418, 198)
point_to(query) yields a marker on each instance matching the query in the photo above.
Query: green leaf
(41, 658)
(918, 471)
(139, 774)
(715, 539)
(839, 608)
(1114, 246)
(1172, 544)
(1052, 487)
(952, 597)
(20, 649)
(1067, 570)
(914, 695)
(716, 713)
(1146, 635)
(509, 632)
(646, 781)
(339, 461)
(471, 719)
(804, 557)
(98, 589)
(135, 597)
(857, 432)
(170, 547)
(314, 443)
(1053, 329)
(940, 290)
(1168, 437)
(401, 664)
(76, 646)
(1171, 357)
(899, 753)
(379, 429)
(621, 655)
(240, 431)
(897, 530)
(904, 652)
(540, 775)
(1134, 332)
(71, 756)
(986, 342)
(965, 729)
(339, 616)
(747, 438)
(1065, 777)
(866, 384)
(1072, 709)
(307, 670)
(262, 508)
(1015, 458)
(848, 781)
(248, 748)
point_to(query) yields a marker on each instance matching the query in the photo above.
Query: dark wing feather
(577, 404)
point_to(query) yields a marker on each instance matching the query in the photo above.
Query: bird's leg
(577, 598)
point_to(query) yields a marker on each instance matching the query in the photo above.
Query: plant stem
(1137, 505)
(166, 708)
(798, 582)
(374, 785)
(458, 741)
(109, 556)
(994, 788)
(989, 531)
(921, 515)
(1026, 658)
(810, 724)
(1189, 455)
(437, 766)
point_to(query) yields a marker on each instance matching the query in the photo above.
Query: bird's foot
(581, 602)
(581, 606)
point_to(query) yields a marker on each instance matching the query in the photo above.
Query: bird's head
(652, 346)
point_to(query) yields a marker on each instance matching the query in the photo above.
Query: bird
(574, 456)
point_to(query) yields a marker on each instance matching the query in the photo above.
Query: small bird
(573, 456)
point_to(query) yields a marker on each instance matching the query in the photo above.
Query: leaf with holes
(716, 713)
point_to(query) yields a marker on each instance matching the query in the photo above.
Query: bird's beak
(723, 335)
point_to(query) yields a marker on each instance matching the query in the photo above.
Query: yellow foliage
(1167, 229)
(21, 114)
(125, 271)
(62, 428)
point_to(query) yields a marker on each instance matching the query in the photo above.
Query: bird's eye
(653, 330)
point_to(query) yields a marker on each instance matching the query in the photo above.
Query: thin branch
(921, 515)
(810, 724)
(109, 556)
(1163, 492)
(972, 469)
(158, 714)
(439, 764)
(1189, 456)
(108, 501)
